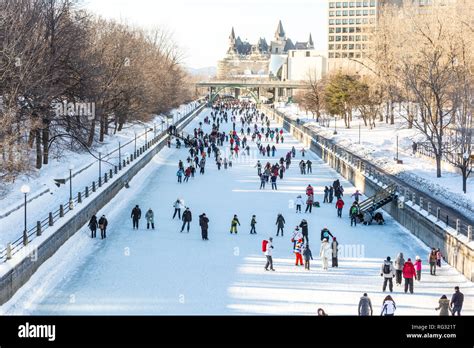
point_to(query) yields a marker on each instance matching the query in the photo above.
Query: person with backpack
(267, 247)
(354, 211)
(297, 250)
(339, 206)
(309, 204)
(103, 227)
(299, 202)
(399, 263)
(304, 230)
(253, 222)
(325, 234)
(93, 226)
(418, 268)
(443, 306)
(177, 205)
(297, 235)
(149, 216)
(457, 301)
(325, 252)
(233, 225)
(334, 249)
(432, 261)
(187, 218)
(365, 306)
(136, 216)
(408, 274)
(180, 174)
(388, 274)
(307, 255)
(204, 223)
(280, 222)
(388, 307)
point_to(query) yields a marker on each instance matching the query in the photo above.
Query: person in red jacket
(339, 206)
(309, 191)
(409, 274)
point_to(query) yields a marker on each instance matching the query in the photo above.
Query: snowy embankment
(165, 272)
(45, 196)
(379, 146)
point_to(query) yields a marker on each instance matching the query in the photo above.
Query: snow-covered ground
(168, 272)
(379, 145)
(43, 180)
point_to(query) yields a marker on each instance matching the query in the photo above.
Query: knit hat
(417, 258)
(389, 258)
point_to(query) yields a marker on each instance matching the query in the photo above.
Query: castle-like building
(263, 60)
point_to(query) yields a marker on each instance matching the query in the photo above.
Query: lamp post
(467, 157)
(397, 148)
(100, 166)
(71, 202)
(25, 189)
(335, 125)
(120, 156)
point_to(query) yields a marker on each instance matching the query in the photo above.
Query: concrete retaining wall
(457, 249)
(21, 273)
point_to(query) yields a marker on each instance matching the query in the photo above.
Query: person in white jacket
(325, 253)
(268, 254)
(299, 203)
(297, 235)
(388, 307)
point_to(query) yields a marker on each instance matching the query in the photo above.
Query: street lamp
(335, 125)
(100, 166)
(71, 203)
(25, 189)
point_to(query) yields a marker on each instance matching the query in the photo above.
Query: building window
(344, 47)
(351, 37)
(276, 49)
(372, 20)
(331, 22)
(345, 4)
(338, 38)
(358, 21)
(358, 12)
(293, 54)
(344, 55)
(344, 38)
(372, 3)
(365, 12)
(365, 20)
(344, 21)
(344, 13)
(338, 21)
(359, 3)
(351, 21)
(338, 47)
(357, 55)
(338, 5)
(351, 46)
(357, 38)
(338, 30)
(344, 30)
(331, 47)
(331, 13)
(351, 29)
(357, 46)
(351, 54)
(331, 55)
(358, 29)
(351, 13)
(332, 5)
(372, 12)
(331, 38)
(366, 4)
(337, 55)
(331, 30)
(307, 53)
(338, 13)
(352, 4)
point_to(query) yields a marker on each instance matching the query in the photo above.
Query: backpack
(264, 245)
(386, 268)
(316, 204)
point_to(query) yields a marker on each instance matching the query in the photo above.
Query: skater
(432, 261)
(309, 204)
(339, 206)
(309, 167)
(388, 307)
(93, 226)
(365, 306)
(103, 227)
(456, 301)
(302, 167)
(303, 151)
(293, 152)
(387, 272)
(443, 306)
(262, 181)
(356, 195)
(304, 230)
(280, 222)
(297, 251)
(326, 195)
(408, 274)
(299, 203)
(177, 205)
(274, 182)
(309, 190)
(354, 211)
(325, 233)
(180, 174)
(136, 216)
(204, 223)
(267, 247)
(307, 255)
(334, 249)
(418, 268)
(187, 218)
(253, 222)
(439, 256)
(259, 168)
(378, 217)
(325, 253)
(297, 235)
(233, 225)
(149, 216)
(331, 194)
(399, 263)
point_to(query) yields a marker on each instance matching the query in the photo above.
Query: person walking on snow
(387, 272)
(93, 226)
(177, 208)
(180, 174)
(325, 252)
(356, 195)
(297, 235)
(299, 202)
(233, 225)
(443, 306)
(388, 307)
(274, 182)
(326, 195)
(253, 222)
(365, 306)
(307, 255)
(280, 222)
(339, 206)
(309, 204)
(432, 261)
(103, 227)
(267, 247)
(262, 181)
(409, 274)
(297, 251)
(149, 216)
(418, 268)
(187, 218)
(136, 216)
(204, 223)
(354, 211)
(325, 234)
(331, 194)
(304, 230)
(259, 168)
(399, 263)
(456, 301)
(335, 249)
(309, 166)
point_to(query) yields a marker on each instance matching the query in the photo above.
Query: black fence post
(61, 211)
(87, 191)
(50, 219)
(79, 197)
(38, 228)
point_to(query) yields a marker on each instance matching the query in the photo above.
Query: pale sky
(201, 27)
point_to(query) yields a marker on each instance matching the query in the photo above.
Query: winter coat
(179, 172)
(365, 306)
(310, 199)
(388, 307)
(334, 246)
(253, 222)
(418, 265)
(103, 221)
(309, 191)
(339, 204)
(457, 299)
(409, 270)
(280, 221)
(304, 227)
(298, 248)
(299, 201)
(93, 223)
(432, 257)
(399, 262)
(307, 254)
(149, 216)
(391, 273)
(235, 221)
(325, 233)
(187, 216)
(325, 250)
(443, 306)
(268, 252)
(203, 222)
(297, 235)
(136, 213)
(178, 205)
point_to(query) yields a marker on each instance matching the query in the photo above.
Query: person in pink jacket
(418, 268)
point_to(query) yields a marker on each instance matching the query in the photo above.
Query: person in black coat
(456, 301)
(136, 215)
(93, 226)
(103, 227)
(204, 223)
(280, 222)
(325, 233)
(304, 230)
(187, 218)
